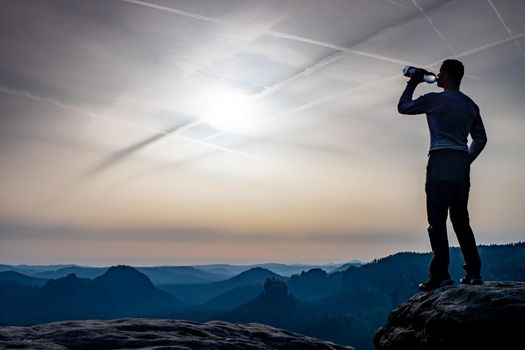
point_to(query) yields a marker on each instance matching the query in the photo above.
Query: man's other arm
(408, 106)
(479, 138)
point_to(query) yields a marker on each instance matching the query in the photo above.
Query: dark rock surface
(138, 333)
(491, 316)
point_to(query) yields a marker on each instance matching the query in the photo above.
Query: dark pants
(447, 186)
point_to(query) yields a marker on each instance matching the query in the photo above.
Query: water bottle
(429, 77)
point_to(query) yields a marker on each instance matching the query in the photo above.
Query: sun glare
(231, 111)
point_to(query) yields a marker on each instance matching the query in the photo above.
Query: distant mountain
(201, 293)
(180, 275)
(120, 292)
(341, 268)
(223, 269)
(79, 271)
(233, 298)
(123, 288)
(32, 269)
(172, 274)
(291, 269)
(22, 279)
(280, 269)
(157, 274)
(314, 284)
(275, 306)
(17, 302)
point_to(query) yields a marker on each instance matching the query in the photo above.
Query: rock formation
(491, 316)
(135, 333)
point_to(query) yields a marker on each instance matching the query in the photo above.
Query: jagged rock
(138, 333)
(491, 316)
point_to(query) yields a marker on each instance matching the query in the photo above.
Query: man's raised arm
(408, 106)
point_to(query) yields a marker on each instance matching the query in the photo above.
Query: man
(451, 117)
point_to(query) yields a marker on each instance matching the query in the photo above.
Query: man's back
(451, 116)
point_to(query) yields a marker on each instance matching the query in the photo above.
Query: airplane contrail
(304, 73)
(340, 48)
(396, 3)
(429, 20)
(481, 48)
(175, 11)
(342, 51)
(324, 99)
(505, 26)
(273, 33)
(128, 151)
(61, 105)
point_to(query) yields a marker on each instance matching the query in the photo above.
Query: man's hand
(417, 77)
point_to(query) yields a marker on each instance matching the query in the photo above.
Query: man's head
(450, 74)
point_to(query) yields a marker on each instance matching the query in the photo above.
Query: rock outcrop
(491, 316)
(138, 333)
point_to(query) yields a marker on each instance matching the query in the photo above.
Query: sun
(231, 111)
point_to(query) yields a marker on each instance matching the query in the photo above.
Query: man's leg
(460, 220)
(438, 199)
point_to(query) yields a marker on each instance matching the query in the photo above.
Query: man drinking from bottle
(451, 117)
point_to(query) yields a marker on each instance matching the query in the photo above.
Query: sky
(185, 132)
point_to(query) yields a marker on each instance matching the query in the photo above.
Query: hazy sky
(243, 131)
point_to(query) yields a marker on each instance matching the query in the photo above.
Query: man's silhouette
(451, 117)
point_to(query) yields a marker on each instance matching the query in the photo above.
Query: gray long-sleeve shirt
(451, 116)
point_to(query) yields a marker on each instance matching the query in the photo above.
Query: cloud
(178, 234)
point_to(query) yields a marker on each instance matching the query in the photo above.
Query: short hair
(455, 70)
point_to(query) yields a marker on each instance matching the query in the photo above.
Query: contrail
(506, 27)
(342, 51)
(61, 105)
(169, 164)
(304, 73)
(130, 124)
(322, 100)
(308, 71)
(481, 48)
(339, 48)
(175, 11)
(429, 20)
(128, 151)
(275, 34)
(396, 3)
(180, 148)
(225, 149)
(123, 154)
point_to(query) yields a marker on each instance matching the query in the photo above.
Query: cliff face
(491, 316)
(156, 334)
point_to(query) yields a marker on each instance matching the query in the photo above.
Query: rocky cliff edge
(490, 316)
(157, 334)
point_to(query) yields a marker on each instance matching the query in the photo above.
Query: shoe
(471, 280)
(434, 282)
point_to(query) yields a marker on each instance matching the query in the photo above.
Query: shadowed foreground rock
(491, 316)
(135, 333)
